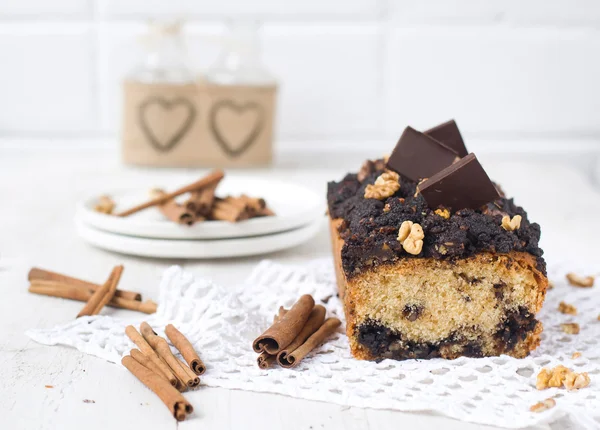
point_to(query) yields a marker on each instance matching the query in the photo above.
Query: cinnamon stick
(173, 210)
(328, 327)
(266, 212)
(282, 311)
(37, 274)
(184, 346)
(201, 201)
(161, 347)
(265, 360)
(315, 320)
(172, 398)
(213, 177)
(285, 330)
(102, 295)
(67, 291)
(227, 211)
(254, 205)
(147, 363)
(147, 350)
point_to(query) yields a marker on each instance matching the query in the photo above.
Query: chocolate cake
(439, 267)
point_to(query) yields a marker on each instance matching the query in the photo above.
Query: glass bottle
(161, 103)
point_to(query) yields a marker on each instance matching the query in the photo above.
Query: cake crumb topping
(369, 223)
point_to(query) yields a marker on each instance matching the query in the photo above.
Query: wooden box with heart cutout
(197, 124)
(161, 125)
(238, 124)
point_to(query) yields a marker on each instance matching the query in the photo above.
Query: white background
(517, 75)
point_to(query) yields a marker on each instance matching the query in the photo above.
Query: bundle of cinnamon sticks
(156, 367)
(96, 296)
(202, 204)
(294, 334)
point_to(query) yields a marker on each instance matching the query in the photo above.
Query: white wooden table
(38, 194)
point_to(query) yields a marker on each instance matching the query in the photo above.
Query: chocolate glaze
(370, 227)
(383, 342)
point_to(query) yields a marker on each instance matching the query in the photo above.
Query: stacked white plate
(299, 216)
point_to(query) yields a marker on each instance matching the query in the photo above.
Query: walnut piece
(511, 224)
(570, 328)
(543, 405)
(576, 381)
(105, 205)
(561, 376)
(550, 285)
(566, 308)
(575, 355)
(580, 281)
(411, 236)
(444, 213)
(385, 186)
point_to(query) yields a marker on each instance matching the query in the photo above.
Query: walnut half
(385, 186)
(511, 224)
(561, 376)
(411, 236)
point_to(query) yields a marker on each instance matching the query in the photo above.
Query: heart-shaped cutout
(236, 126)
(165, 122)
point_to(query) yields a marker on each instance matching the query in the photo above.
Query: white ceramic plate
(294, 206)
(198, 249)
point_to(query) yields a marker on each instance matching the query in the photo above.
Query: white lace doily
(222, 323)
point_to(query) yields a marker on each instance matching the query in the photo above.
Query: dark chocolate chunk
(385, 342)
(417, 156)
(449, 135)
(412, 312)
(463, 185)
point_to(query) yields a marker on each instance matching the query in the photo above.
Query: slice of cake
(439, 267)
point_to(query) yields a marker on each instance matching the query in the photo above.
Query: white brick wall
(351, 70)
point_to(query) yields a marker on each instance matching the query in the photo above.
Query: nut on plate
(105, 205)
(411, 236)
(513, 224)
(580, 281)
(385, 186)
